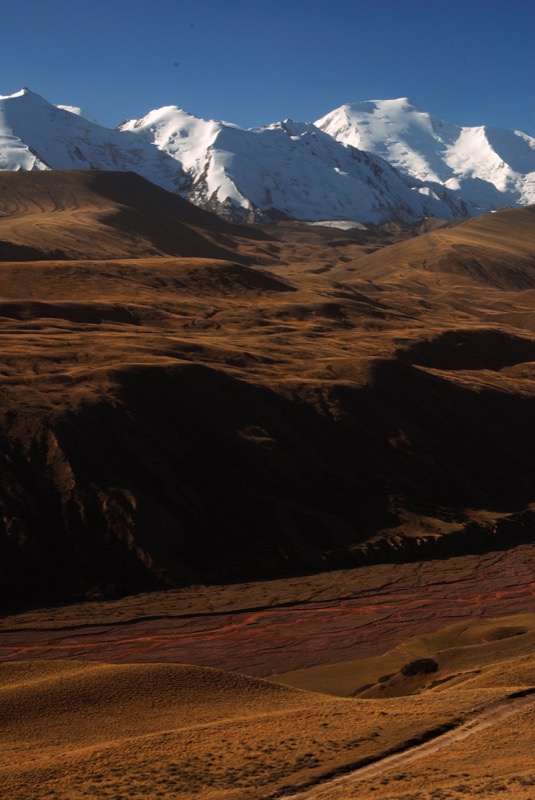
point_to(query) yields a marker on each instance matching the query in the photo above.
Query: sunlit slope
(496, 250)
(149, 731)
(489, 167)
(475, 652)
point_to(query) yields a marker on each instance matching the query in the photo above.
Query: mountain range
(267, 497)
(363, 163)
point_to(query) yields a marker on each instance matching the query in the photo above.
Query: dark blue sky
(257, 61)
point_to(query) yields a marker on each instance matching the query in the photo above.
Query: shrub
(420, 666)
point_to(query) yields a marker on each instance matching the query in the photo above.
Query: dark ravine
(134, 493)
(189, 402)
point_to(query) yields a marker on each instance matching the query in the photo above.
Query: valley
(371, 722)
(267, 501)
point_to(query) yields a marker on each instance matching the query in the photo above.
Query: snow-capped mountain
(489, 167)
(287, 169)
(34, 134)
(415, 165)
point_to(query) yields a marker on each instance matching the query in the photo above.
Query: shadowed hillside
(184, 400)
(91, 214)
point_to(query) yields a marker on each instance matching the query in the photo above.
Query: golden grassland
(463, 651)
(102, 280)
(342, 373)
(73, 731)
(495, 762)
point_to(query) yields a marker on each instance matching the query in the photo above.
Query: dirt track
(480, 720)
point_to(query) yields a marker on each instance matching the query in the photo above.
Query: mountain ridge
(286, 170)
(487, 165)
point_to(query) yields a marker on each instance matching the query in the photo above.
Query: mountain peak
(415, 165)
(488, 167)
(23, 92)
(399, 102)
(79, 112)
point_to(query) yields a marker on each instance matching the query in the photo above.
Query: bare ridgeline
(313, 447)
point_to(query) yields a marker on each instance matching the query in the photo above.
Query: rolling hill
(188, 401)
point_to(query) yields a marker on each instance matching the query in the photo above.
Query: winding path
(485, 718)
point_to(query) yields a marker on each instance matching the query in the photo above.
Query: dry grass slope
(370, 412)
(163, 370)
(337, 399)
(73, 731)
